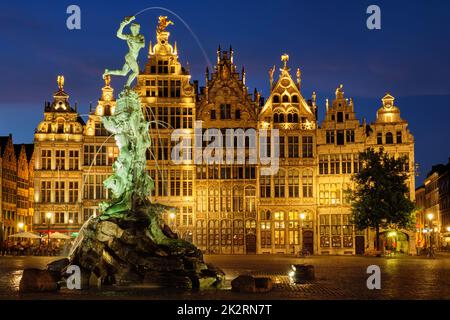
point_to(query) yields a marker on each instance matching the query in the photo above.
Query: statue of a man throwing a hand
(135, 43)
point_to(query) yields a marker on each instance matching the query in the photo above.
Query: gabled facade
(226, 192)
(287, 206)
(8, 186)
(58, 143)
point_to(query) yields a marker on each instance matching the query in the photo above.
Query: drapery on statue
(135, 43)
(162, 24)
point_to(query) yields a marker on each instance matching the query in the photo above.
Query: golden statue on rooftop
(163, 23)
(60, 81)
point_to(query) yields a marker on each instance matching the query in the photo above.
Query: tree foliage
(380, 196)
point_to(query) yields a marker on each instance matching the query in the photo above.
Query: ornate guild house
(222, 208)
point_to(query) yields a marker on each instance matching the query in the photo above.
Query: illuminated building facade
(16, 187)
(223, 208)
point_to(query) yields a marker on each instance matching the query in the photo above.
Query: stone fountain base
(138, 249)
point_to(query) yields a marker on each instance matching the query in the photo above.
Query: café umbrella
(25, 235)
(58, 235)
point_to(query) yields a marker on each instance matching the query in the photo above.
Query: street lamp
(49, 217)
(20, 226)
(172, 220)
(448, 228)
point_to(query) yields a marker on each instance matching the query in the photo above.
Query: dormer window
(276, 99)
(225, 111)
(340, 117)
(295, 99)
(285, 98)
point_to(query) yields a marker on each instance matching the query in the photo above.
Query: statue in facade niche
(135, 43)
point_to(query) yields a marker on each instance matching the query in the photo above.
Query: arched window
(276, 118)
(290, 118)
(285, 98)
(295, 118)
(281, 119)
(276, 99)
(250, 199)
(238, 199)
(213, 233)
(295, 98)
(389, 138)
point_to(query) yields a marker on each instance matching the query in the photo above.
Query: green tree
(380, 196)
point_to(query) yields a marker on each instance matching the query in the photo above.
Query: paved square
(338, 277)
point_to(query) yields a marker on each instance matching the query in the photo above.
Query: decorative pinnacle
(60, 81)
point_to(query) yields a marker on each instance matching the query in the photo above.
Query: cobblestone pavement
(337, 278)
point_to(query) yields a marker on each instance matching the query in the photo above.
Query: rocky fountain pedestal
(139, 249)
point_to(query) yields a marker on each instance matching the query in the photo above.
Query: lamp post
(49, 216)
(302, 217)
(430, 217)
(20, 226)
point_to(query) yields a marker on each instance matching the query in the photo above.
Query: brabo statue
(135, 43)
(129, 243)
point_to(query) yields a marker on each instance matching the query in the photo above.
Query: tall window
(73, 159)
(347, 163)
(73, 191)
(307, 147)
(264, 182)
(279, 184)
(226, 200)
(330, 136)
(213, 232)
(73, 217)
(89, 153)
(202, 200)
(293, 228)
(163, 185)
(324, 230)
(225, 111)
(350, 136)
(334, 164)
(265, 227)
(187, 218)
(336, 231)
(379, 138)
(238, 199)
(163, 88)
(347, 231)
(60, 217)
(59, 191)
(175, 88)
(293, 147)
(60, 159)
(46, 159)
(226, 232)
(175, 183)
(293, 182)
(46, 189)
(238, 232)
(163, 149)
(323, 164)
(279, 228)
(187, 183)
(389, 138)
(282, 153)
(307, 183)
